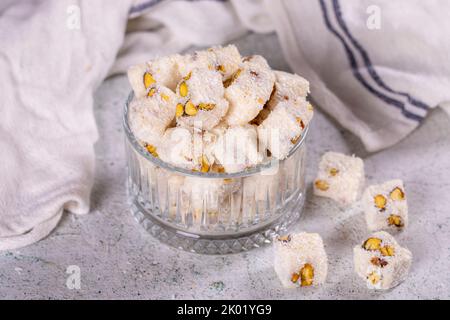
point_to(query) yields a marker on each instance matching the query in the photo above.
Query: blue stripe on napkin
(368, 63)
(355, 70)
(145, 5)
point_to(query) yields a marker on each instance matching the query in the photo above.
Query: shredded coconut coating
(164, 71)
(376, 268)
(249, 91)
(202, 87)
(177, 148)
(393, 214)
(282, 129)
(225, 60)
(288, 86)
(293, 251)
(150, 116)
(340, 177)
(237, 148)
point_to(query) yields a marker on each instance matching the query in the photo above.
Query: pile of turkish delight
(216, 111)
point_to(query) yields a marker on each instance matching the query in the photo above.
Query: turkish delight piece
(340, 177)
(248, 90)
(381, 261)
(300, 260)
(385, 206)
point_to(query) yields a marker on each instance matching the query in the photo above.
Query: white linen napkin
(53, 56)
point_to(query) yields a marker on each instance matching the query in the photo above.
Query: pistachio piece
(387, 251)
(395, 220)
(295, 276)
(179, 111)
(213, 214)
(152, 150)
(204, 164)
(220, 68)
(183, 89)
(373, 277)
(151, 92)
(295, 140)
(372, 244)
(322, 185)
(307, 275)
(300, 122)
(378, 262)
(231, 79)
(165, 97)
(285, 238)
(227, 83)
(148, 80)
(380, 202)
(190, 109)
(217, 168)
(397, 194)
(333, 172)
(206, 106)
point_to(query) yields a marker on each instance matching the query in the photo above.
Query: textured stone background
(119, 260)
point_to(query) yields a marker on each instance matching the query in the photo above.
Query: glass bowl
(214, 213)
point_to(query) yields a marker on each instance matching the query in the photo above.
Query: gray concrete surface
(117, 259)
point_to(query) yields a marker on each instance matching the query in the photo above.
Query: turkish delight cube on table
(340, 177)
(385, 206)
(381, 261)
(300, 260)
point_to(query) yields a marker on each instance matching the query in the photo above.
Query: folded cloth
(376, 66)
(53, 56)
(158, 28)
(378, 83)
